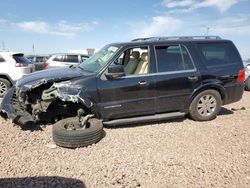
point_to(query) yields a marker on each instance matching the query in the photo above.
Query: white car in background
(247, 76)
(13, 65)
(66, 59)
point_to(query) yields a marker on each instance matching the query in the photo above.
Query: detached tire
(4, 86)
(205, 106)
(79, 137)
(247, 84)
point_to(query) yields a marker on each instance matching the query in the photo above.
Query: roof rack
(178, 38)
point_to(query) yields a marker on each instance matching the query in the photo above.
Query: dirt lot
(180, 153)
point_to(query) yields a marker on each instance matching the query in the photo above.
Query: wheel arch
(7, 77)
(215, 87)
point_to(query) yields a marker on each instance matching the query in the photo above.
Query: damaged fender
(66, 91)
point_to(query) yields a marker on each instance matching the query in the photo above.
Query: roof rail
(178, 38)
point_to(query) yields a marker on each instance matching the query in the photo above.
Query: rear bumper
(233, 93)
(10, 108)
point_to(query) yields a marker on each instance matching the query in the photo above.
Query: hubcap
(3, 88)
(206, 105)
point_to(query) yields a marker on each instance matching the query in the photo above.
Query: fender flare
(207, 86)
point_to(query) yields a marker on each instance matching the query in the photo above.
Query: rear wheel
(4, 86)
(205, 106)
(247, 84)
(70, 134)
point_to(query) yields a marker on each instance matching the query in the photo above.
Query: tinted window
(1, 59)
(39, 59)
(72, 58)
(173, 58)
(217, 54)
(59, 58)
(21, 59)
(83, 58)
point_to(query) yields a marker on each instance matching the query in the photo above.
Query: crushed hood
(36, 79)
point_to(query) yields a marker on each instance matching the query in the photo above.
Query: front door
(129, 95)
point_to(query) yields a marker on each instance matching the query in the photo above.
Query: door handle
(143, 83)
(192, 78)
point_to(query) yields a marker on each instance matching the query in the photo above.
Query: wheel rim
(3, 88)
(206, 105)
(72, 126)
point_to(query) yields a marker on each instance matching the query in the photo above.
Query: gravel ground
(179, 153)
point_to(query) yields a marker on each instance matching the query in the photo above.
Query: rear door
(176, 77)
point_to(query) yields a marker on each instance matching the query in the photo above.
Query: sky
(53, 26)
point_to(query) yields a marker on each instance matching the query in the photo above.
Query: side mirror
(115, 71)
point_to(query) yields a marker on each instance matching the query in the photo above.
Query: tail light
(45, 65)
(241, 76)
(21, 65)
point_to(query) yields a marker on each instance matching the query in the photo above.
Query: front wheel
(205, 106)
(4, 86)
(69, 133)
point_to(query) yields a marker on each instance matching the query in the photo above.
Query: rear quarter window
(219, 54)
(1, 59)
(19, 58)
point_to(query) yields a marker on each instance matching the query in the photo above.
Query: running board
(144, 119)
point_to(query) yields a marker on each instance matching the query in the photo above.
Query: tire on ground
(193, 109)
(247, 84)
(6, 83)
(79, 137)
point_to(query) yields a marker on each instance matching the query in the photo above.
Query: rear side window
(173, 58)
(1, 59)
(72, 58)
(219, 54)
(19, 58)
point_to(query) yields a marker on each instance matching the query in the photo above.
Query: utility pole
(208, 28)
(3, 45)
(33, 48)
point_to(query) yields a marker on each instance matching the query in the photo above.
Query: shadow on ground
(225, 111)
(44, 181)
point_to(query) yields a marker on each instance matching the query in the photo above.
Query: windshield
(99, 59)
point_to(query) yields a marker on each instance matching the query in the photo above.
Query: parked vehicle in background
(143, 80)
(247, 75)
(39, 61)
(65, 60)
(13, 65)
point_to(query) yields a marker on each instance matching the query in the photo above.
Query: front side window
(134, 61)
(59, 58)
(83, 58)
(173, 58)
(96, 62)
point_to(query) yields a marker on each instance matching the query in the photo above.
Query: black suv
(146, 79)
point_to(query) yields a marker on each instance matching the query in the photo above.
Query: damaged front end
(44, 100)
